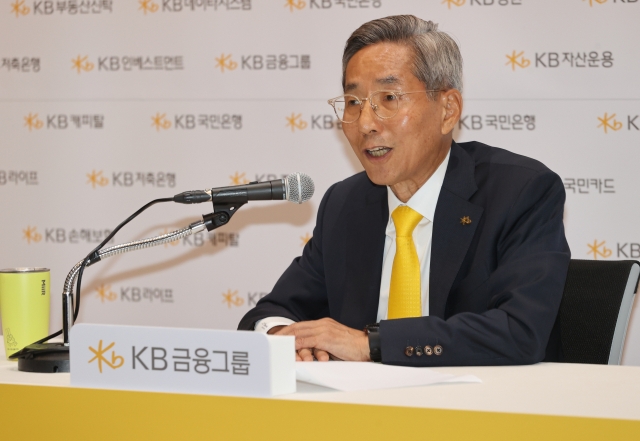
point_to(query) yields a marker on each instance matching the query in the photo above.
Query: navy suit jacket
(495, 284)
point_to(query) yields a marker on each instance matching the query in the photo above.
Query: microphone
(296, 187)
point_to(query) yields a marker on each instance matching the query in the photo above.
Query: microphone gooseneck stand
(54, 357)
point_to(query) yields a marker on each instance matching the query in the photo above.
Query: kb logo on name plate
(115, 362)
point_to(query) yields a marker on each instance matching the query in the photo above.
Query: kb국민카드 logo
(115, 362)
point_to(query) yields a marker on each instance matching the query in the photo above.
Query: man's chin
(377, 178)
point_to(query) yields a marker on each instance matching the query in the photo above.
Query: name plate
(199, 361)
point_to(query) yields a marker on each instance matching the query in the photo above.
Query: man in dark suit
(444, 253)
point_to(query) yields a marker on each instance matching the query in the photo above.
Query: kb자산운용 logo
(518, 60)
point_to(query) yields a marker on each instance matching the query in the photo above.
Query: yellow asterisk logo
(82, 64)
(453, 2)
(32, 122)
(95, 178)
(518, 59)
(232, 298)
(160, 121)
(306, 238)
(598, 249)
(116, 360)
(31, 235)
(296, 122)
(19, 8)
(105, 293)
(174, 243)
(148, 6)
(293, 5)
(225, 62)
(609, 122)
(238, 179)
(597, 1)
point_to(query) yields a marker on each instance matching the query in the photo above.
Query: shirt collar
(424, 200)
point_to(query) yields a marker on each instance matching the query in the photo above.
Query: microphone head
(298, 187)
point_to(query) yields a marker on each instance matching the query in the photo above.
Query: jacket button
(437, 349)
(428, 350)
(419, 351)
(408, 351)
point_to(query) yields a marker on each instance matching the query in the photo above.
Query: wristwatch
(373, 333)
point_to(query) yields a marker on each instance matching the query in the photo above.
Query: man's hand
(325, 339)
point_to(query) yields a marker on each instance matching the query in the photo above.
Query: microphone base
(43, 358)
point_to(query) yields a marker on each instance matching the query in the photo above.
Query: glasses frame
(397, 93)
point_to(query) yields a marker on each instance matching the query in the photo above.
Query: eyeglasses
(385, 104)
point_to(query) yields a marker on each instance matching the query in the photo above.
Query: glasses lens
(347, 108)
(385, 104)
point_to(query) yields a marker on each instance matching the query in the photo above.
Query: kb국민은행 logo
(115, 362)
(298, 5)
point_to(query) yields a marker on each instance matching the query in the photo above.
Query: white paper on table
(349, 375)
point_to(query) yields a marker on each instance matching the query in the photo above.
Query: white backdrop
(105, 105)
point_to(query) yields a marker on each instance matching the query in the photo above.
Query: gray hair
(437, 60)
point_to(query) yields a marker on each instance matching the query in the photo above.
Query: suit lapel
(364, 252)
(452, 236)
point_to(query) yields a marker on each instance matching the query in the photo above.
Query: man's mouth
(378, 151)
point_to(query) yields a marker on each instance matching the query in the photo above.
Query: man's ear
(451, 101)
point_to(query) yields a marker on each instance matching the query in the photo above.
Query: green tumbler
(24, 306)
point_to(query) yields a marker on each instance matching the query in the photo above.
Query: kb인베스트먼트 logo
(115, 362)
(231, 298)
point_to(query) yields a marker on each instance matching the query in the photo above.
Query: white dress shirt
(423, 201)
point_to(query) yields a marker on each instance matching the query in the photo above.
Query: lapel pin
(466, 220)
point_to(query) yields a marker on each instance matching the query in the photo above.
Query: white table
(541, 399)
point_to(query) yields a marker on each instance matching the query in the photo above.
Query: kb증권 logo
(599, 250)
(225, 62)
(30, 234)
(517, 60)
(97, 179)
(104, 293)
(82, 64)
(32, 122)
(609, 122)
(160, 121)
(231, 298)
(148, 6)
(116, 360)
(295, 122)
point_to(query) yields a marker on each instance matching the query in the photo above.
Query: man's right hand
(306, 354)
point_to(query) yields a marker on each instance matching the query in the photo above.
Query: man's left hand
(327, 338)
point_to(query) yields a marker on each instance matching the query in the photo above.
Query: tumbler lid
(25, 270)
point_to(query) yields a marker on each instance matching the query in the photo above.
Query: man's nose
(368, 121)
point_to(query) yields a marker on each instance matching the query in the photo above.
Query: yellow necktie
(404, 292)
